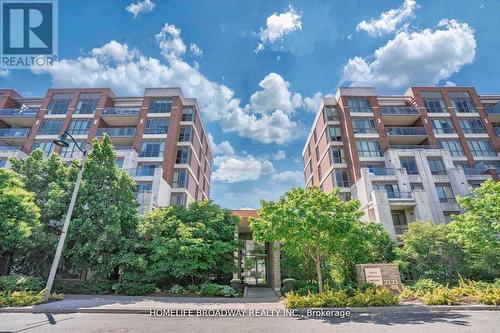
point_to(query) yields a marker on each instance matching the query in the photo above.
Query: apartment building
(159, 137)
(404, 157)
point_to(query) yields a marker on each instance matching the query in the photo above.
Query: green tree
(428, 252)
(477, 230)
(103, 227)
(19, 214)
(308, 223)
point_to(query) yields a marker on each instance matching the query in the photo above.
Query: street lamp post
(62, 142)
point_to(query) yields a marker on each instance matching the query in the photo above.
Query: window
(399, 221)
(46, 146)
(72, 149)
(364, 125)
(187, 114)
(317, 154)
(182, 155)
(357, 104)
(87, 103)
(331, 113)
(160, 105)
(445, 193)
(59, 103)
(340, 178)
(178, 199)
(409, 164)
(79, 127)
(437, 166)
(391, 189)
(119, 162)
(448, 216)
(156, 126)
(434, 102)
(496, 128)
(152, 148)
(185, 134)
(416, 186)
(50, 127)
(144, 187)
(368, 148)
(320, 174)
(3, 162)
(146, 169)
(452, 146)
(337, 155)
(462, 103)
(377, 168)
(180, 178)
(472, 126)
(443, 126)
(481, 147)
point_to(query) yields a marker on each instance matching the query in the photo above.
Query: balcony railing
(131, 112)
(399, 110)
(444, 130)
(474, 170)
(380, 171)
(414, 147)
(399, 195)
(14, 132)
(493, 109)
(11, 148)
(19, 112)
(117, 131)
(497, 130)
(406, 131)
(474, 130)
(447, 200)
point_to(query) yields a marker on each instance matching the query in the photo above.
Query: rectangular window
(331, 113)
(146, 169)
(72, 149)
(337, 155)
(399, 221)
(160, 105)
(79, 127)
(443, 126)
(433, 102)
(187, 114)
(119, 162)
(340, 178)
(452, 146)
(392, 189)
(445, 193)
(448, 216)
(369, 148)
(364, 125)
(334, 134)
(59, 103)
(180, 178)
(144, 187)
(357, 104)
(185, 134)
(87, 103)
(182, 155)
(152, 148)
(481, 147)
(437, 166)
(178, 199)
(462, 103)
(409, 164)
(416, 186)
(156, 126)
(46, 146)
(3, 162)
(50, 127)
(472, 126)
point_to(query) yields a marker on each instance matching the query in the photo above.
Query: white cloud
(288, 177)
(416, 58)
(266, 118)
(139, 7)
(4, 73)
(280, 155)
(278, 26)
(312, 104)
(450, 84)
(389, 20)
(223, 148)
(234, 169)
(195, 50)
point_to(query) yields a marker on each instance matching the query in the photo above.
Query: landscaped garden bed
(18, 290)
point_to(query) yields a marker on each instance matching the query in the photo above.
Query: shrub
(373, 297)
(209, 289)
(490, 297)
(134, 288)
(21, 283)
(228, 291)
(192, 289)
(90, 287)
(425, 285)
(25, 298)
(440, 296)
(307, 288)
(288, 284)
(176, 289)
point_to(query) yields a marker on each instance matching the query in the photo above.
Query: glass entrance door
(254, 263)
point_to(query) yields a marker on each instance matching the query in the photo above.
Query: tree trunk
(318, 270)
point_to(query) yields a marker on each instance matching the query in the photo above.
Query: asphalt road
(442, 322)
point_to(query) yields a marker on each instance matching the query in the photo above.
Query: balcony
(399, 115)
(22, 117)
(14, 136)
(119, 135)
(493, 112)
(406, 135)
(121, 116)
(400, 200)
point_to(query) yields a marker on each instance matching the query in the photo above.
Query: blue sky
(258, 102)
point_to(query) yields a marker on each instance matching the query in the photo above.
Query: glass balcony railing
(10, 148)
(116, 131)
(399, 195)
(497, 130)
(414, 147)
(380, 171)
(493, 109)
(19, 112)
(131, 112)
(406, 131)
(474, 170)
(399, 110)
(14, 132)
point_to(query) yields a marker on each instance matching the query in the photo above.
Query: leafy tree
(19, 214)
(477, 230)
(103, 227)
(308, 223)
(428, 252)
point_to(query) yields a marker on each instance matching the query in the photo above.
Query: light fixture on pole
(63, 142)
